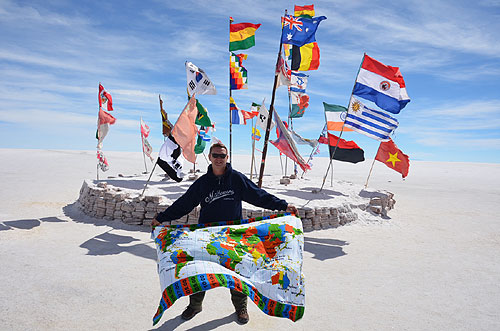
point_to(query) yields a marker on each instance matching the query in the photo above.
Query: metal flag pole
(230, 114)
(369, 174)
(143, 154)
(151, 174)
(97, 133)
(271, 109)
(342, 130)
(253, 150)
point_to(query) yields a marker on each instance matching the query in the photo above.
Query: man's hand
(292, 209)
(154, 223)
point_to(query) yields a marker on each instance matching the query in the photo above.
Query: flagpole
(271, 110)
(151, 174)
(342, 130)
(369, 174)
(143, 156)
(253, 150)
(230, 96)
(314, 149)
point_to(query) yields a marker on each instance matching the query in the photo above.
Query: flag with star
(299, 31)
(390, 155)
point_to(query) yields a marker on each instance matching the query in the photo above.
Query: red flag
(105, 98)
(285, 144)
(144, 129)
(185, 131)
(389, 154)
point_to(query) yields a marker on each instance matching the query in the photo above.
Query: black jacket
(220, 198)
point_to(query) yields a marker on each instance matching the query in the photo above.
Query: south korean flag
(198, 81)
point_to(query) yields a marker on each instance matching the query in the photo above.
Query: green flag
(202, 117)
(200, 145)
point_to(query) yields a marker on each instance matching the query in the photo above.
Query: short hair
(220, 145)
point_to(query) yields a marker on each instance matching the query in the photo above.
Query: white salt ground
(433, 265)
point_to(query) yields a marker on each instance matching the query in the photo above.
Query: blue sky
(53, 54)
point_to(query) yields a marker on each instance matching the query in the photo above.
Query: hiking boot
(242, 316)
(189, 313)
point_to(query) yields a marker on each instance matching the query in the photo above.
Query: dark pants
(239, 300)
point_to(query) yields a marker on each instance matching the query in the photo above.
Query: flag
(256, 134)
(103, 162)
(300, 101)
(166, 125)
(185, 131)
(242, 35)
(335, 117)
(284, 73)
(299, 31)
(260, 259)
(306, 57)
(384, 85)
(200, 145)
(198, 81)
(204, 134)
(237, 116)
(298, 82)
(304, 11)
(170, 159)
(147, 148)
(202, 115)
(285, 144)
(347, 151)
(303, 141)
(261, 120)
(105, 100)
(103, 122)
(144, 129)
(389, 154)
(372, 123)
(237, 72)
(255, 108)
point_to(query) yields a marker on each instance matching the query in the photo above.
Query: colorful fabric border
(205, 282)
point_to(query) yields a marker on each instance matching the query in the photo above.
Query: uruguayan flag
(372, 123)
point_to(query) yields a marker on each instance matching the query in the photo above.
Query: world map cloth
(260, 257)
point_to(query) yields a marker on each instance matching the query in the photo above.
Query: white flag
(198, 81)
(262, 117)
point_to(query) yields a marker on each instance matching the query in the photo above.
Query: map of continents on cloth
(261, 258)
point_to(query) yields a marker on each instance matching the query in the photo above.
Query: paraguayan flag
(372, 123)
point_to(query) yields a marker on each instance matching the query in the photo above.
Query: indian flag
(242, 36)
(335, 117)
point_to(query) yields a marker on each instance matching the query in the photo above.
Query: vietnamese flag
(389, 154)
(347, 151)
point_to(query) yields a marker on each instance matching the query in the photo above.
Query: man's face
(218, 157)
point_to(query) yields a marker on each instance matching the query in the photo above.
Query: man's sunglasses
(219, 156)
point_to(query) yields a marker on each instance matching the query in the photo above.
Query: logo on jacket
(212, 196)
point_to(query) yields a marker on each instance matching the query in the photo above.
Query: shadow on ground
(175, 322)
(324, 249)
(113, 244)
(108, 243)
(27, 224)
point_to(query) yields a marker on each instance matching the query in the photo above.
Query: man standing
(220, 193)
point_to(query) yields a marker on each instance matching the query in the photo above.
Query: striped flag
(304, 11)
(372, 123)
(382, 84)
(103, 162)
(256, 134)
(335, 117)
(237, 116)
(242, 35)
(306, 57)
